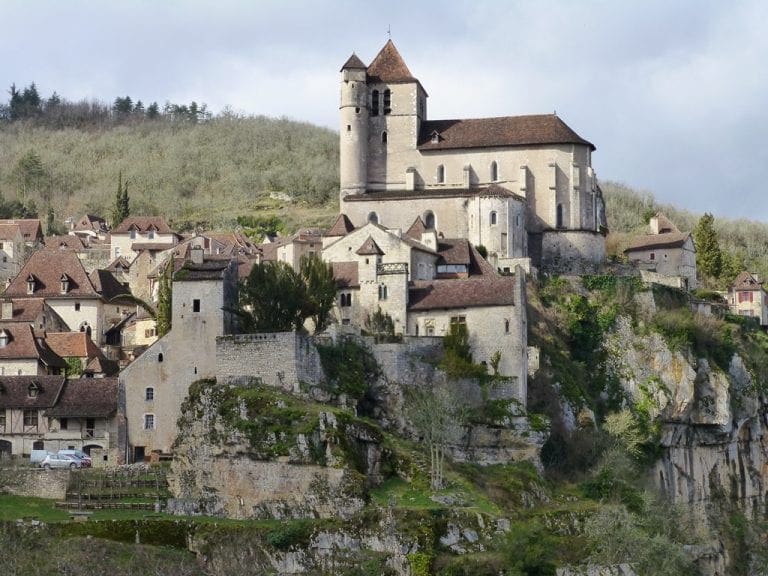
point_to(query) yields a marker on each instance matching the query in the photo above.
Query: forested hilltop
(178, 160)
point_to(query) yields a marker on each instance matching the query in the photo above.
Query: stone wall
(572, 251)
(279, 359)
(36, 482)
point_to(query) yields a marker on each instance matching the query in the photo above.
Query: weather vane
(389, 32)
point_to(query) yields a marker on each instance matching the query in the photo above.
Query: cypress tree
(709, 256)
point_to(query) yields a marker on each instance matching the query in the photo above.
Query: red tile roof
(341, 226)
(105, 283)
(504, 131)
(369, 248)
(46, 267)
(72, 344)
(389, 66)
(91, 224)
(417, 229)
(23, 344)
(143, 224)
(64, 242)
(31, 229)
(9, 231)
(15, 391)
(454, 251)
(26, 309)
(746, 281)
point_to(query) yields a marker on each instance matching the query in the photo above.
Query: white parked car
(60, 461)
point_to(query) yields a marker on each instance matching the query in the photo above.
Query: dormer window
(151, 234)
(30, 284)
(4, 338)
(133, 233)
(64, 280)
(33, 390)
(435, 137)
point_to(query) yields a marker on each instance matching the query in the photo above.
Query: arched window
(494, 218)
(441, 174)
(429, 220)
(382, 292)
(373, 218)
(384, 137)
(559, 223)
(375, 103)
(387, 102)
(494, 171)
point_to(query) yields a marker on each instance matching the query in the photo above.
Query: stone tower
(353, 146)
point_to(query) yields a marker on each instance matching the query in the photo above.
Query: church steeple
(389, 67)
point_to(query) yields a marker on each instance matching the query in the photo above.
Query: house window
(346, 300)
(441, 174)
(77, 306)
(3, 338)
(90, 427)
(117, 251)
(375, 103)
(149, 421)
(1, 245)
(384, 137)
(387, 101)
(745, 296)
(133, 234)
(458, 320)
(33, 390)
(30, 417)
(2, 420)
(196, 305)
(653, 256)
(429, 220)
(64, 284)
(494, 218)
(494, 171)
(506, 326)
(63, 423)
(149, 394)
(382, 292)
(559, 222)
(151, 235)
(30, 284)
(373, 218)
(149, 333)
(160, 357)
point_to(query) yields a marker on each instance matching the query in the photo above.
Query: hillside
(193, 173)
(629, 209)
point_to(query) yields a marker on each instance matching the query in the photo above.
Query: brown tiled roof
(461, 293)
(369, 248)
(235, 239)
(26, 309)
(101, 365)
(105, 283)
(341, 226)
(389, 66)
(504, 131)
(454, 251)
(119, 262)
(353, 62)
(91, 223)
(143, 224)
(14, 391)
(648, 241)
(64, 242)
(9, 231)
(746, 281)
(30, 228)
(23, 344)
(380, 195)
(86, 397)
(269, 251)
(417, 229)
(72, 344)
(47, 268)
(665, 224)
(345, 274)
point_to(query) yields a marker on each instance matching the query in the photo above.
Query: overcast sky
(674, 94)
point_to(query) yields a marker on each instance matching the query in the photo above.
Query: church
(522, 187)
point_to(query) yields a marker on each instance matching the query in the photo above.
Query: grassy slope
(209, 172)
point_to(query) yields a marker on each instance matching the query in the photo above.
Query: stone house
(80, 353)
(33, 311)
(428, 284)
(306, 242)
(153, 387)
(666, 255)
(24, 352)
(523, 186)
(91, 229)
(12, 251)
(748, 297)
(31, 230)
(137, 233)
(53, 413)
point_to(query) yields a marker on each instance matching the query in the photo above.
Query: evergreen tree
(709, 256)
(121, 210)
(165, 300)
(153, 111)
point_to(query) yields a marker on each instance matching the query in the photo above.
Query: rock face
(251, 453)
(714, 423)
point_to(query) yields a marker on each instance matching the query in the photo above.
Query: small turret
(353, 132)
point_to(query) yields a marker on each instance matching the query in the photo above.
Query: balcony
(392, 268)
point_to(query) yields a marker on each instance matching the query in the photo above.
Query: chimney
(6, 310)
(196, 253)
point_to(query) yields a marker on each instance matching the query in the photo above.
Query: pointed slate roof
(389, 66)
(341, 226)
(353, 62)
(370, 248)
